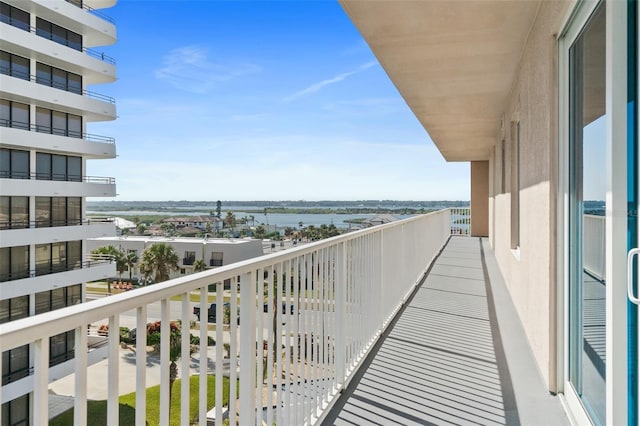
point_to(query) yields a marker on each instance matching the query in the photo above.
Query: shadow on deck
(443, 361)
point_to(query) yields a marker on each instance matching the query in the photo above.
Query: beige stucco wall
(479, 198)
(529, 270)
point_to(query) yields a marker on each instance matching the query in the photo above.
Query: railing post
(113, 405)
(80, 355)
(141, 366)
(165, 338)
(340, 296)
(41, 382)
(204, 359)
(186, 358)
(248, 348)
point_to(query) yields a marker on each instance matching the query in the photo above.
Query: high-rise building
(47, 64)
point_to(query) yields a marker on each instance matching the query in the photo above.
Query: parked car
(211, 311)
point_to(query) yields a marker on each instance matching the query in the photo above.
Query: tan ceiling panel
(453, 61)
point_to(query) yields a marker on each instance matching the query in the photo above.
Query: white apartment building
(47, 62)
(214, 251)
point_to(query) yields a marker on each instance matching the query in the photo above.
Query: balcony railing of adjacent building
(343, 292)
(91, 10)
(47, 268)
(57, 177)
(55, 131)
(17, 23)
(461, 221)
(188, 261)
(51, 83)
(51, 223)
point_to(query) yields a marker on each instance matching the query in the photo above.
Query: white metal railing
(461, 221)
(593, 255)
(290, 359)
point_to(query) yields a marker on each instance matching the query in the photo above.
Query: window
(14, 263)
(58, 257)
(15, 362)
(61, 347)
(14, 114)
(47, 301)
(503, 166)
(58, 78)
(58, 123)
(14, 212)
(15, 17)
(58, 167)
(58, 34)
(216, 258)
(189, 258)
(183, 271)
(13, 309)
(16, 411)
(15, 164)
(14, 65)
(515, 185)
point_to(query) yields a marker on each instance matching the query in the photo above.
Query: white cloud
(189, 68)
(315, 87)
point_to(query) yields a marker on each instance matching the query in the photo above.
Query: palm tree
(199, 265)
(115, 255)
(130, 260)
(159, 260)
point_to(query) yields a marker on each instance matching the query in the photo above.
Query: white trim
(576, 411)
(573, 26)
(616, 213)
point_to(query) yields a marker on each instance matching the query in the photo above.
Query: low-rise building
(214, 251)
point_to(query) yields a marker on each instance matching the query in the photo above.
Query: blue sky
(260, 100)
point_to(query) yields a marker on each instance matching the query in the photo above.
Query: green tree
(130, 260)
(230, 220)
(115, 255)
(199, 265)
(141, 228)
(218, 209)
(260, 232)
(159, 260)
(169, 229)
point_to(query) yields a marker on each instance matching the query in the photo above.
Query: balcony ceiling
(454, 63)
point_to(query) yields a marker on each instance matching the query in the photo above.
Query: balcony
(14, 184)
(369, 311)
(60, 86)
(24, 232)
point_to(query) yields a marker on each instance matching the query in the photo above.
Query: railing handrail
(19, 332)
(53, 223)
(56, 268)
(69, 178)
(37, 128)
(33, 30)
(40, 80)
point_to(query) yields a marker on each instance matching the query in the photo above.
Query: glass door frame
(616, 209)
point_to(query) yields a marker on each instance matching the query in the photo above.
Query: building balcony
(96, 28)
(395, 324)
(91, 106)
(69, 186)
(16, 233)
(56, 140)
(45, 277)
(95, 67)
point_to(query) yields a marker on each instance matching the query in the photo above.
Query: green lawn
(97, 410)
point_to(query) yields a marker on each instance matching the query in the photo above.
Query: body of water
(280, 220)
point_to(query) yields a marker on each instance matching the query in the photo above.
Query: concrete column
(479, 198)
